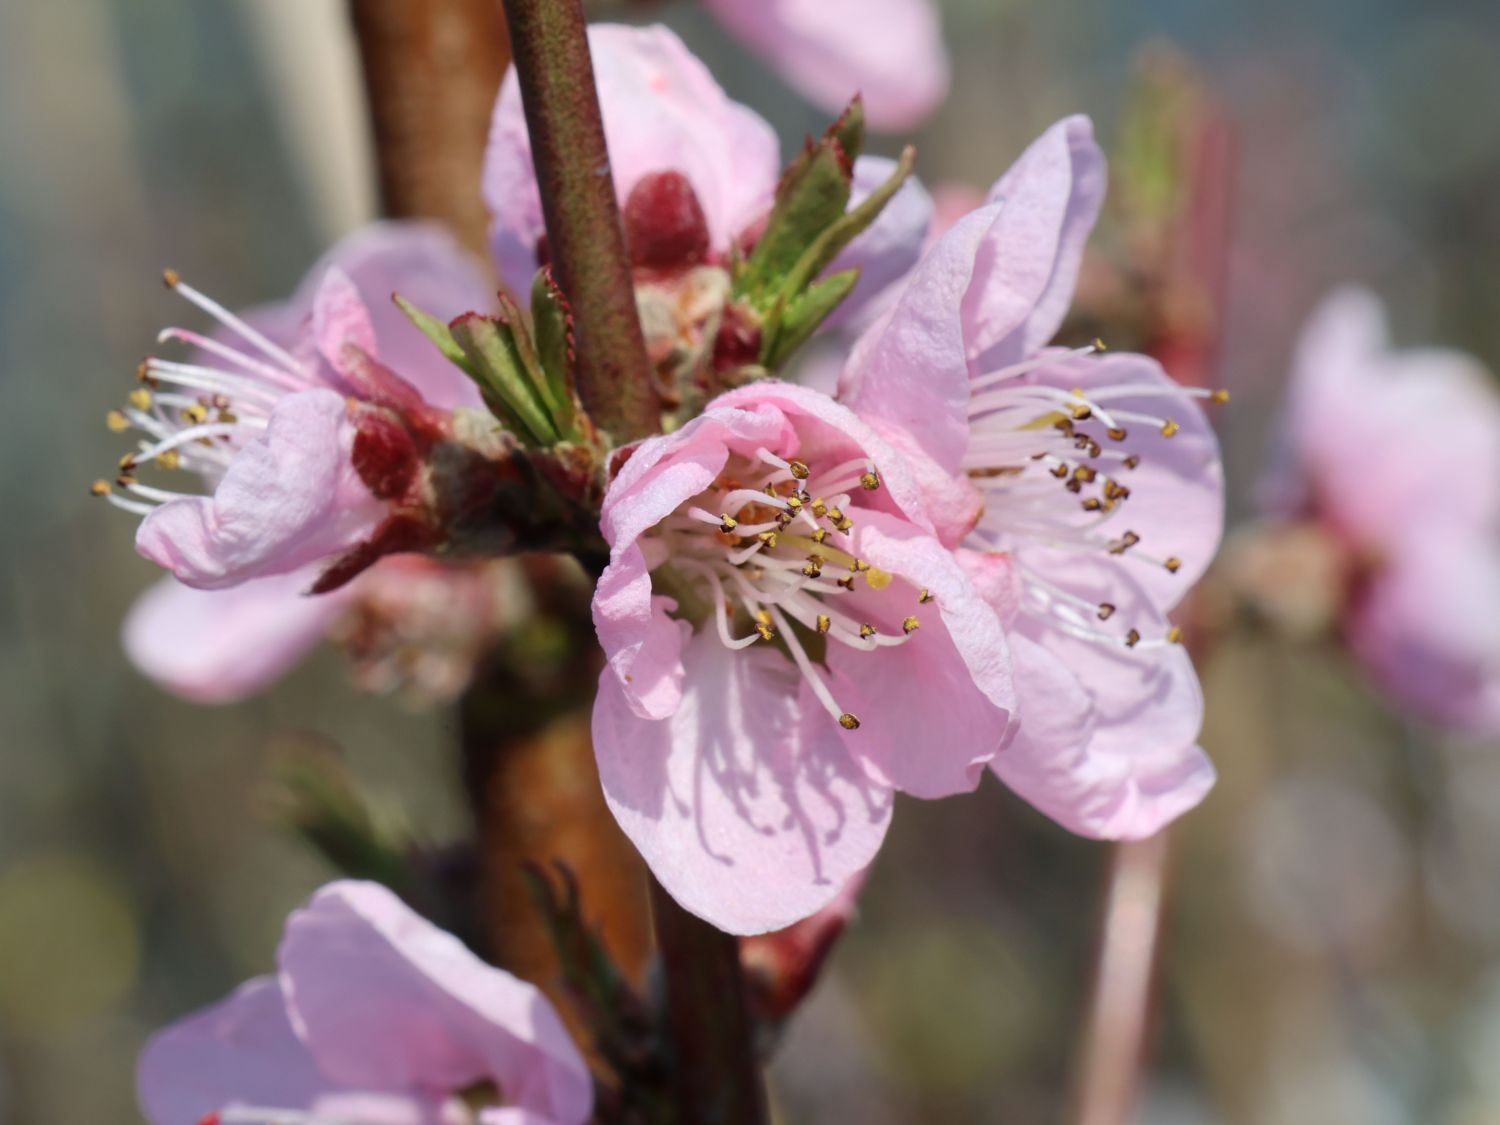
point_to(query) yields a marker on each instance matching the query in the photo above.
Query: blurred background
(1333, 936)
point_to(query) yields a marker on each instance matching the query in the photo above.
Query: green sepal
(813, 193)
(849, 129)
(800, 316)
(497, 365)
(437, 331)
(552, 323)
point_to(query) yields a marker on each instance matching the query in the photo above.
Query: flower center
(195, 416)
(1051, 465)
(773, 548)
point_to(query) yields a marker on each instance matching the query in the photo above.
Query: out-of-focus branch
(432, 71)
(1120, 1010)
(585, 239)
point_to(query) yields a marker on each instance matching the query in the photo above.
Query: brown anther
(910, 625)
(924, 596)
(798, 470)
(819, 535)
(1059, 471)
(1074, 485)
(847, 582)
(117, 422)
(228, 416)
(766, 632)
(143, 373)
(1124, 543)
(127, 462)
(859, 566)
(195, 414)
(727, 523)
(1106, 611)
(1132, 461)
(1092, 504)
(1065, 425)
(1082, 412)
(140, 398)
(99, 488)
(819, 508)
(783, 518)
(169, 459)
(869, 482)
(1085, 474)
(824, 624)
(171, 278)
(125, 480)
(811, 570)
(1098, 345)
(1173, 564)
(1169, 427)
(866, 631)
(1174, 634)
(770, 490)
(1114, 490)
(848, 721)
(1132, 638)
(1117, 433)
(1220, 396)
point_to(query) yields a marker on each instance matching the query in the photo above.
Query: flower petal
(291, 497)
(220, 646)
(749, 817)
(663, 111)
(242, 1051)
(385, 1000)
(1028, 264)
(889, 51)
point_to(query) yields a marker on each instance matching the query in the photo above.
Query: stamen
(228, 319)
(910, 625)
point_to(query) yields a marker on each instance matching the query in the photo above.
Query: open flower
(1394, 460)
(374, 1017)
(891, 51)
(787, 643)
(1085, 488)
(695, 172)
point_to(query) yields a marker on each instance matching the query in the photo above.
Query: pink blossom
(890, 51)
(375, 1017)
(287, 419)
(665, 115)
(1085, 490)
(1396, 456)
(787, 643)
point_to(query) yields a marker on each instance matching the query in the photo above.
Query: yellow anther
(117, 422)
(869, 482)
(766, 632)
(910, 626)
(99, 488)
(844, 524)
(859, 566)
(812, 570)
(824, 624)
(228, 416)
(1082, 412)
(1124, 543)
(794, 502)
(127, 462)
(140, 398)
(819, 508)
(1106, 611)
(866, 631)
(125, 480)
(819, 535)
(1221, 396)
(1092, 504)
(924, 596)
(798, 470)
(1169, 427)
(169, 459)
(1085, 474)
(1114, 490)
(171, 278)
(768, 538)
(763, 617)
(727, 523)
(1132, 461)
(1116, 433)
(1132, 638)
(1098, 345)
(847, 582)
(1173, 564)
(848, 721)
(197, 414)
(835, 514)
(1059, 471)
(1065, 425)
(1174, 634)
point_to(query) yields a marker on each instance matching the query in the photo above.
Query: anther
(1169, 427)
(1085, 474)
(1092, 504)
(798, 469)
(117, 422)
(819, 508)
(171, 278)
(834, 515)
(196, 414)
(866, 631)
(820, 535)
(847, 582)
(1065, 426)
(727, 523)
(1106, 611)
(766, 632)
(910, 625)
(1117, 433)
(1082, 412)
(140, 398)
(1114, 490)
(1060, 471)
(848, 721)
(811, 569)
(1220, 396)
(99, 488)
(768, 538)
(794, 502)
(924, 596)
(824, 624)
(843, 523)
(1173, 564)
(869, 481)
(1132, 461)
(1098, 345)
(1174, 634)
(1132, 638)
(859, 566)
(127, 463)
(169, 459)
(1124, 543)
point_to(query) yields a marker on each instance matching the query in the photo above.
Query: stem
(715, 1074)
(432, 71)
(1119, 1016)
(585, 239)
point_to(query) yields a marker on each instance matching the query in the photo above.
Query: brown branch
(715, 1076)
(432, 71)
(584, 236)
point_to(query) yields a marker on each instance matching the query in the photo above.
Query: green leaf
(813, 193)
(552, 321)
(849, 129)
(803, 314)
(496, 362)
(436, 331)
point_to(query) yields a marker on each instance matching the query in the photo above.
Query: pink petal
(386, 1001)
(663, 111)
(1390, 440)
(339, 318)
(749, 817)
(220, 646)
(290, 498)
(1028, 263)
(933, 711)
(1106, 742)
(242, 1051)
(890, 51)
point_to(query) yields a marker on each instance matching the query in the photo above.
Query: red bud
(665, 228)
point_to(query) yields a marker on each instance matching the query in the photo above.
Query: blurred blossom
(1325, 867)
